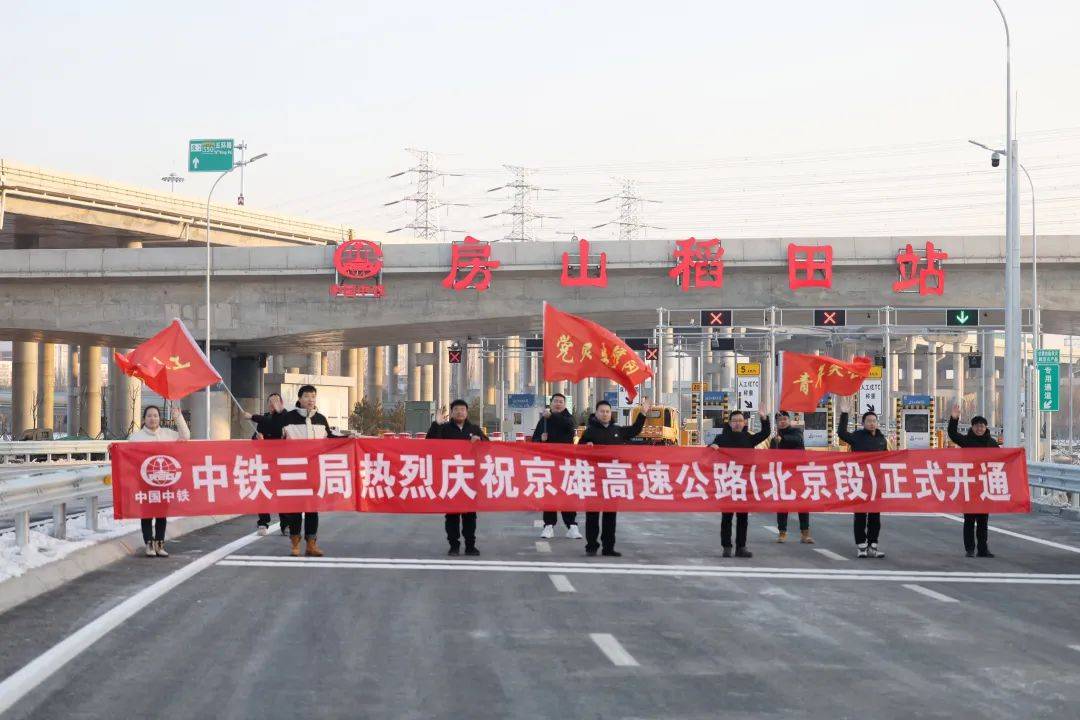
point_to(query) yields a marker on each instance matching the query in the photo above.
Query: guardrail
(57, 488)
(1056, 476)
(49, 450)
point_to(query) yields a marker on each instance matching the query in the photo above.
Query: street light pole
(1011, 401)
(209, 195)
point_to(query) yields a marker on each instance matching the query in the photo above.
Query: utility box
(418, 415)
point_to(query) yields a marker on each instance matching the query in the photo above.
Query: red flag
(806, 379)
(576, 348)
(170, 363)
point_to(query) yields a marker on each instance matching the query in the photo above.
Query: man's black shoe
(727, 552)
(970, 553)
(471, 551)
(454, 550)
(611, 553)
(591, 552)
(986, 553)
(743, 553)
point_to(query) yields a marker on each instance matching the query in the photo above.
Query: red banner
(806, 378)
(435, 476)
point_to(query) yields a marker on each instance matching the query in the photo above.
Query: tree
(370, 418)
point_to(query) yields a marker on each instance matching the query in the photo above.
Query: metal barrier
(49, 450)
(1056, 476)
(21, 495)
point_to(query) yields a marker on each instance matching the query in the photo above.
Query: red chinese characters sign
(437, 476)
(928, 276)
(470, 266)
(809, 266)
(699, 264)
(582, 276)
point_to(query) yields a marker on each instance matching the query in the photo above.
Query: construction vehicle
(662, 426)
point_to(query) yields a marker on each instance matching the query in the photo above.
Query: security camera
(995, 159)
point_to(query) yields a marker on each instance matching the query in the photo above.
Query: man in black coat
(458, 427)
(556, 425)
(736, 434)
(789, 437)
(868, 439)
(602, 431)
(976, 525)
(269, 426)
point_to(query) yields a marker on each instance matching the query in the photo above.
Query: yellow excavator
(662, 426)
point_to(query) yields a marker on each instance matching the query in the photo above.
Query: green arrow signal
(962, 317)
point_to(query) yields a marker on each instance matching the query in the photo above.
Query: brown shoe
(295, 539)
(313, 548)
(782, 537)
(806, 537)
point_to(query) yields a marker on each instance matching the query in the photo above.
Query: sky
(740, 119)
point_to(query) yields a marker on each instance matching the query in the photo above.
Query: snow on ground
(44, 548)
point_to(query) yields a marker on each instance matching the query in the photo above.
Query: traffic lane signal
(830, 318)
(715, 318)
(961, 317)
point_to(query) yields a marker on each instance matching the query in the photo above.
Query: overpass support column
(377, 376)
(314, 363)
(221, 406)
(391, 371)
(46, 386)
(581, 398)
(353, 366)
(24, 371)
(73, 390)
(959, 369)
(490, 381)
(90, 390)
(413, 383)
(245, 371)
(461, 374)
(667, 382)
(125, 400)
(909, 367)
(930, 379)
(427, 373)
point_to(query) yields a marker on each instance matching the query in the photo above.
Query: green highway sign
(210, 155)
(1047, 357)
(1048, 388)
(961, 317)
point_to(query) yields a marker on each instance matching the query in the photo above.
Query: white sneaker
(151, 551)
(161, 549)
(263, 531)
(573, 533)
(862, 551)
(548, 532)
(874, 552)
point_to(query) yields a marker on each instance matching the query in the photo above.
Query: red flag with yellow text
(170, 363)
(806, 379)
(576, 348)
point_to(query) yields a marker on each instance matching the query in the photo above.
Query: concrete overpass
(47, 209)
(277, 299)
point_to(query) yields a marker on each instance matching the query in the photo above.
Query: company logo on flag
(806, 379)
(576, 348)
(170, 363)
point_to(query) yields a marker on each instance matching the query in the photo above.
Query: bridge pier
(46, 386)
(24, 377)
(376, 377)
(125, 400)
(90, 390)
(959, 372)
(245, 380)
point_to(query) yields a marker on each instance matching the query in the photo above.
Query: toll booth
(819, 427)
(715, 411)
(523, 412)
(418, 415)
(915, 423)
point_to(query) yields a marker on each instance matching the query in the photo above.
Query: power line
(424, 203)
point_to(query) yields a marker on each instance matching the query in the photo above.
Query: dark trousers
(604, 529)
(976, 528)
(309, 520)
(741, 521)
(867, 528)
(263, 521)
(458, 525)
(153, 530)
(781, 521)
(552, 517)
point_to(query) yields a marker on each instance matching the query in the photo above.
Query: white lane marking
(1075, 647)
(562, 583)
(830, 554)
(929, 593)
(538, 523)
(772, 528)
(45, 665)
(543, 546)
(550, 564)
(1022, 536)
(613, 649)
(659, 571)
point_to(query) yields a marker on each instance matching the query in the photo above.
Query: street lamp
(213, 187)
(1011, 410)
(172, 178)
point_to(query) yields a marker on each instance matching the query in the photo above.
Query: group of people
(556, 425)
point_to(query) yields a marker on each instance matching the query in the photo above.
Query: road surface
(386, 626)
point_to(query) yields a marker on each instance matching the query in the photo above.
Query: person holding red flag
(170, 363)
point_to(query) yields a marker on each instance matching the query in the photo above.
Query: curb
(17, 590)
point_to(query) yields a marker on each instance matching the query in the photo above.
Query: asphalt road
(386, 626)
